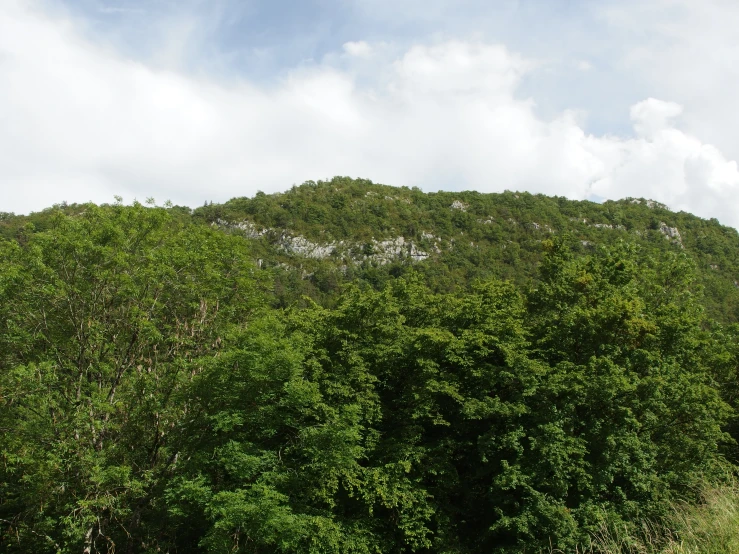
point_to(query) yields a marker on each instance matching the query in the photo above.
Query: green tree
(631, 383)
(103, 316)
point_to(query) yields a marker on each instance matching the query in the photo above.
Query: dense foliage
(165, 388)
(468, 235)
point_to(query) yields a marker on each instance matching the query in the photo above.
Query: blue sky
(194, 100)
(262, 40)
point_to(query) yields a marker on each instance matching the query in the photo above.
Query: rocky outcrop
(387, 251)
(301, 246)
(648, 203)
(249, 229)
(671, 233)
(379, 251)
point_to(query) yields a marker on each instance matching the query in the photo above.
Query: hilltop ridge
(320, 234)
(331, 231)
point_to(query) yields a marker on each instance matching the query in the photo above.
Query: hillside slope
(325, 233)
(319, 235)
(155, 396)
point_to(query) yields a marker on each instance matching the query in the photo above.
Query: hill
(325, 233)
(349, 367)
(319, 235)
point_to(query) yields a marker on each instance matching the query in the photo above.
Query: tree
(104, 316)
(631, 382)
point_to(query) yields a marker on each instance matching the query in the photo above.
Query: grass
(710, 527)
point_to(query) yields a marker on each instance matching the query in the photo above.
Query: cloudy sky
(195, 100)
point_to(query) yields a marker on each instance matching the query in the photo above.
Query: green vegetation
(284, 374)
(468, 235)
(708, 527)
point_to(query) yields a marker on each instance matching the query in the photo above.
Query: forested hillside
(322, 235)
(329, 232)
(350, 367)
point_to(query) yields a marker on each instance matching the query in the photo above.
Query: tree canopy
(165, 386)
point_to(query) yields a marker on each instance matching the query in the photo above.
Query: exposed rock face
(648, 203)
(382, 251)
(671, 233)
(301, 246)
(249, 229)
(387, 251)
(457, 205)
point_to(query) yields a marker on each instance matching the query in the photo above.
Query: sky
(204, 100)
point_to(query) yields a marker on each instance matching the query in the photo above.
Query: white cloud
(461, 68)
(360, 49)
(651, 116)
(687, 50)
(79, 122)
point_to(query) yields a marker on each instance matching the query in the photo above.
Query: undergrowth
(708, 527)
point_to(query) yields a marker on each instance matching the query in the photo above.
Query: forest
(349, 367)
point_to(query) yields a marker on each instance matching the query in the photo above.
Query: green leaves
(150, 400)
(106, 313)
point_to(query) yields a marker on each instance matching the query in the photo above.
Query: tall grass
(710, 526)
